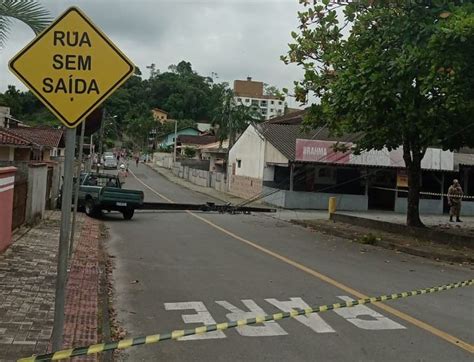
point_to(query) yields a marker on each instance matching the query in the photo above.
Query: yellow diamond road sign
(72, 67)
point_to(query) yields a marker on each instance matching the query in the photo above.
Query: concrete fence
(37, 186)
(163, 159)
(37, 183)
(215, 180)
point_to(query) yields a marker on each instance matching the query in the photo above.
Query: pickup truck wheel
(90, 208)
(128, 214)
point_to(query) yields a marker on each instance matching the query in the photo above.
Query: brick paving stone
(80, 328)
(27, 288)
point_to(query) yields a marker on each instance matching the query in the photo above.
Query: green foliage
(31, 13)
(184, 94)
(140, 122)
(368, 239)
(189, 152)
(403, 76)
(165, 149)
(26, 107)
(273, 91)
(231, 119)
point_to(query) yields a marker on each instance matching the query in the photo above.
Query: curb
(389, 245)
(421, 233)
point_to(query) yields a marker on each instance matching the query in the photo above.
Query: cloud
(233, 38)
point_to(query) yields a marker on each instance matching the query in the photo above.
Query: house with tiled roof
(289, 166)
(193, 141)
(160, 115)
(50, 140)
(16, 148)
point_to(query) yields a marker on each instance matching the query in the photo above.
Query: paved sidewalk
(27, 288)
(82, 296)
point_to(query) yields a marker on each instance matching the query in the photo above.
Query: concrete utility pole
(66, 200)
(101, 139)
(91, 152)
(175, 139)
(76, 189)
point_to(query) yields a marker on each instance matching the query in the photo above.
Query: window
(272, 102)
(279, 103)
(247, 100)
(239, 100)
(272, 110)
(264, 110)
(254, 102)
(239, 163)
(263, 103)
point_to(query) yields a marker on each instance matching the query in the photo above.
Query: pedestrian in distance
(137, 160)
(455, 195)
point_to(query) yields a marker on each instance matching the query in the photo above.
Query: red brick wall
(245, 187)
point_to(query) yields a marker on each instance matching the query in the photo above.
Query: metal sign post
(66, 202)
(72, 67)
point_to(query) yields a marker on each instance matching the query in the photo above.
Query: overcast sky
(233, 38)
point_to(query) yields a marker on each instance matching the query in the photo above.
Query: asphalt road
(176, 270)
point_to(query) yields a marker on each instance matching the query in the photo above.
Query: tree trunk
(413, 202)
(413, 156)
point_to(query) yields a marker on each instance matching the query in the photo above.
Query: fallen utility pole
(208, 206)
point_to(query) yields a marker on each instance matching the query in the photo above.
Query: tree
(29, 12)
(189, 152)
(402, 76)
(230, 119)
(271, 90)
(140, 122)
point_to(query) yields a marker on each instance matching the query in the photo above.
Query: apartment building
(251, 94)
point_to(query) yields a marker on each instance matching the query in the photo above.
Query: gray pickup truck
(98, 192)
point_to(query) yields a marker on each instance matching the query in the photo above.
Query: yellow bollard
(331, 206)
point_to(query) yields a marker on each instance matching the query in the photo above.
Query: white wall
(269, 173)
(272, 155)
(36, 201)
(250, 150)
(278, 109)
(434, 159)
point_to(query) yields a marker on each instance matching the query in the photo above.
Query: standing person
(455, 195)
(137, 159)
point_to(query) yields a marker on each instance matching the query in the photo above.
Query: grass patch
(368, 239)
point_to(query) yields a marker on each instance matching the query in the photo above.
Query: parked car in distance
(110, 162)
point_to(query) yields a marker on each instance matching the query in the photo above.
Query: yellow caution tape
(155, 338)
